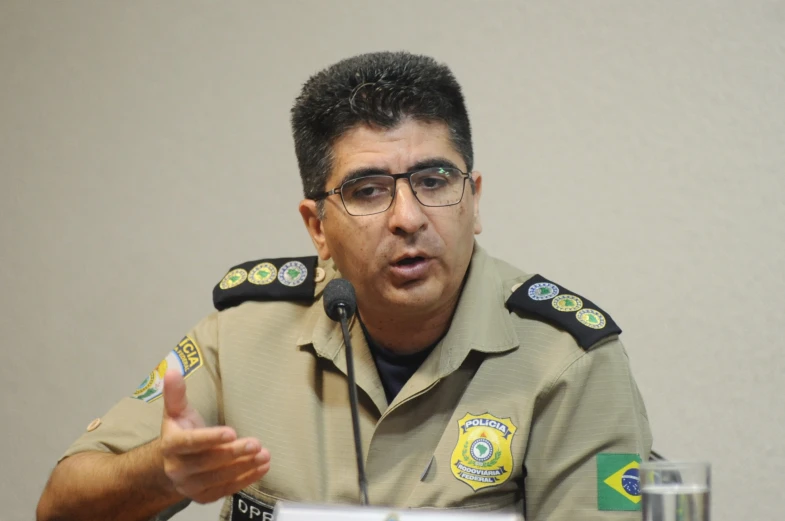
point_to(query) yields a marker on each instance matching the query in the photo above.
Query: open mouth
(408, 261)
(410, 269)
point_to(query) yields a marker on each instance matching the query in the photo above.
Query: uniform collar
(481, 321)
(326, 338)
(319, 330)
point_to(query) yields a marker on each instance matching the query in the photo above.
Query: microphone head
(339, 293)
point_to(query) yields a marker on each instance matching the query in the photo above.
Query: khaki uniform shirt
(507, 412)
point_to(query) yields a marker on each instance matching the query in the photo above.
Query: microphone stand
(363, 482)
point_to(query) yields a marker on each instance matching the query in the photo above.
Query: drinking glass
(675, 490)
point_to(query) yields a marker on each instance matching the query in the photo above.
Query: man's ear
(477, 176)
(313, 224)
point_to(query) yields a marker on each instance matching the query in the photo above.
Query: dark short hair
(378, 89)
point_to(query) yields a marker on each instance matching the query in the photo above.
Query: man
(481, 387)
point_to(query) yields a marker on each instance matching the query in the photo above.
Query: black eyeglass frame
(406, 175)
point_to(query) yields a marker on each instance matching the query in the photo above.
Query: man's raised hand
(205, 463)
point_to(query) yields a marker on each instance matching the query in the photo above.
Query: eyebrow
(430, 162)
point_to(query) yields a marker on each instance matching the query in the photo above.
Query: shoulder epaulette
(286, 278)
(564, 309)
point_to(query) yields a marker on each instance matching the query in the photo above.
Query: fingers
(175, 401)
(238, 483)
(223, 455)
(218, 478)
(179, 442)
(202, 469)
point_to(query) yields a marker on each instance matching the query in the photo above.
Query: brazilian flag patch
(618, 482)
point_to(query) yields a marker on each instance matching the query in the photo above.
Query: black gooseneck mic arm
(363, 481)
(340, 304)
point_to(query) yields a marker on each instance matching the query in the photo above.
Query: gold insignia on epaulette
(591, 318)
(263, 273)
(567, 303)
(234, 278)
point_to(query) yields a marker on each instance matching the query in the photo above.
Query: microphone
(339, 295)
(340, 304)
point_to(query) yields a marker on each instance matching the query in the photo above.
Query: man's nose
(406, 215)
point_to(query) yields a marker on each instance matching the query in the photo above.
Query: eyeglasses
(367, 195)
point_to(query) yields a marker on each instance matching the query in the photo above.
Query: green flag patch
(618, 481)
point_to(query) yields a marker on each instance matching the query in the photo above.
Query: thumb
(175, 401)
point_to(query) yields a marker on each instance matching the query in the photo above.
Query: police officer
(481, 387)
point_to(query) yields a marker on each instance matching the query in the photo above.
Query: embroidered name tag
(245, 507)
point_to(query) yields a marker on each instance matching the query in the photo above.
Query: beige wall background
(632, 150)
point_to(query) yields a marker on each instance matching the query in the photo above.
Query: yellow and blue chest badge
(483, 455)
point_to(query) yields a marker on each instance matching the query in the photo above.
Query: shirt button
(94, 425)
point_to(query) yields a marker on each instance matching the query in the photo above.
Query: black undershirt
(395, 369)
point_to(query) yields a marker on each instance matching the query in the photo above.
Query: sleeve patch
(618, 482)
(564, 309)
(186, 357)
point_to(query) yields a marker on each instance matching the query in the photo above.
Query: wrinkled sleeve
(592, 407)
(136, 419)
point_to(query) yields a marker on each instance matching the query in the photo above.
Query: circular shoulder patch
(567, 303)
(262, 274)
(293, 273)
(543, 291)
(591, 318)
(234, 278)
